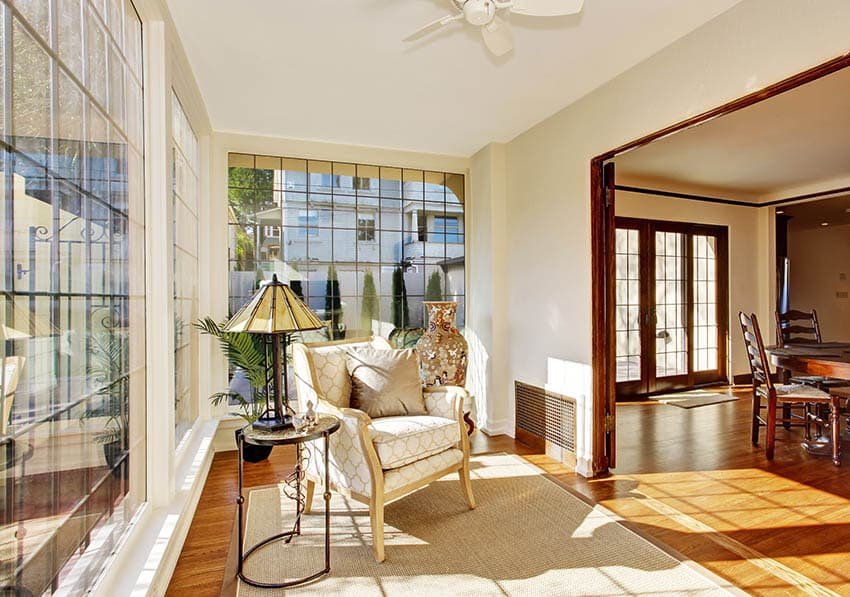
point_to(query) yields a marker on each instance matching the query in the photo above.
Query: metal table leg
(287, 536)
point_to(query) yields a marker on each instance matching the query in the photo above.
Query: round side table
(325, 426)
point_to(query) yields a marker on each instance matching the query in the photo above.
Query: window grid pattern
(348, 231)
(671, 348)
(705, 303)
(185, 190)
(627, 329)
(73, 285)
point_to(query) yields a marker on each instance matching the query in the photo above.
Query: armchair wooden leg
(466, 485)
(311, 490)
(376, 515)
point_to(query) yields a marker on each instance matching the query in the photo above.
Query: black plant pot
(254, 453)
(115, 454)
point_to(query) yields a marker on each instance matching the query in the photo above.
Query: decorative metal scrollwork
(40, 232)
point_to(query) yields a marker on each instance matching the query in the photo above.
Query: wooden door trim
(602, 312)
(792, 82)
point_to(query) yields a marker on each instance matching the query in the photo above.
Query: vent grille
(547, 415)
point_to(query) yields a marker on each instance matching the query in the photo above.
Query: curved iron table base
(287, 536)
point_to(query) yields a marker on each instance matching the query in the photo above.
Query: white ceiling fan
(497, 33)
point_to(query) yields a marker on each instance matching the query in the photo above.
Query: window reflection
(71, 310)
(364, 245)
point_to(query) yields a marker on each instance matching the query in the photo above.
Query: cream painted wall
(487, 333)
(745, 272)
(756, 43)
(819, 259)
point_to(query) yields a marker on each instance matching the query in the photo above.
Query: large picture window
(363, 245)
(72, 340)
(185, 188)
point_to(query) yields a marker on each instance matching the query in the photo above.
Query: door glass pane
(670, 303)
(705, 303)
(627, 326)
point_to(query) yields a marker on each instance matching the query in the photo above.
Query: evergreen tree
(333, 304)
(370, 308)
(400, 310)
(434, 290)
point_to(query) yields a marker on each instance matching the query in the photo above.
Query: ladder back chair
(798, 327)
(767, 395)
(802, 327)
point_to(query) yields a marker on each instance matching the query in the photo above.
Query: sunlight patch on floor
(718, 505)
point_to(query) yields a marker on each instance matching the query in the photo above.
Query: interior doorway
(672, 306)
(747, 168)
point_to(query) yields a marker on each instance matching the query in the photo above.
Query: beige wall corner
(486, 330)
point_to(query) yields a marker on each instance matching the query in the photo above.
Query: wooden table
(325, 426)
(830, 359)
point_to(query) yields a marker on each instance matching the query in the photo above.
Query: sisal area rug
(528, 536)
(693, 399)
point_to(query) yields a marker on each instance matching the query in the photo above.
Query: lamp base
(269, 422)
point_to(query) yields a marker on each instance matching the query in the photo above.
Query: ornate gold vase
(443, 351)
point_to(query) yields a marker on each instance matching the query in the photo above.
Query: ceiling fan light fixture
(496, 32)
(479, 12)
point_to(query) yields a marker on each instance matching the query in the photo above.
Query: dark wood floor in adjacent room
(689, 479)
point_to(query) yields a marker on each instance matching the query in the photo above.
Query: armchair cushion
(385, 383)
(421, 469)
(331, 369)
(402, 440)
(321, 370)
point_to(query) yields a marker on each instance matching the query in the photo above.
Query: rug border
(230, 584)
(669, 400)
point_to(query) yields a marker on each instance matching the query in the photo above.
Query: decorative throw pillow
(385, 383)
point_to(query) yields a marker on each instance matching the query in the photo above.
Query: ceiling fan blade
(433, 26)
(547, 8)
(498, 37)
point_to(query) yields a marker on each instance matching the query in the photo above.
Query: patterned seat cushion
(403, 440)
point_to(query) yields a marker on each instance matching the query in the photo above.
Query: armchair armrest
(445, 401)
(353, 461)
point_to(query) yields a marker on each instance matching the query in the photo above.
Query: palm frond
(241, 349)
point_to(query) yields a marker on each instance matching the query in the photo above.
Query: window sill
(145, 560)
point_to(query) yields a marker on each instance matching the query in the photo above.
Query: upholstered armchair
(375, 461)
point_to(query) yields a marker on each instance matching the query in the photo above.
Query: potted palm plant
(107, 369)
(246, 355)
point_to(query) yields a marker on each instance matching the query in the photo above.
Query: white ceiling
(336, 70)
(789, 141)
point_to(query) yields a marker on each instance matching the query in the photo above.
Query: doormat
(693, 399)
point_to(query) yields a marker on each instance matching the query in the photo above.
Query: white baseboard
(500, 427)
(224, 439)
(584, 467)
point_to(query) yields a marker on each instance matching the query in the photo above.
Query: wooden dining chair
(798, 327)
(768, 396)
(802, 327)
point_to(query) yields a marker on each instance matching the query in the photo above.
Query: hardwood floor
(689, 479)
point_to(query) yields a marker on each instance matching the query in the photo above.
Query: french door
(672, 305)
